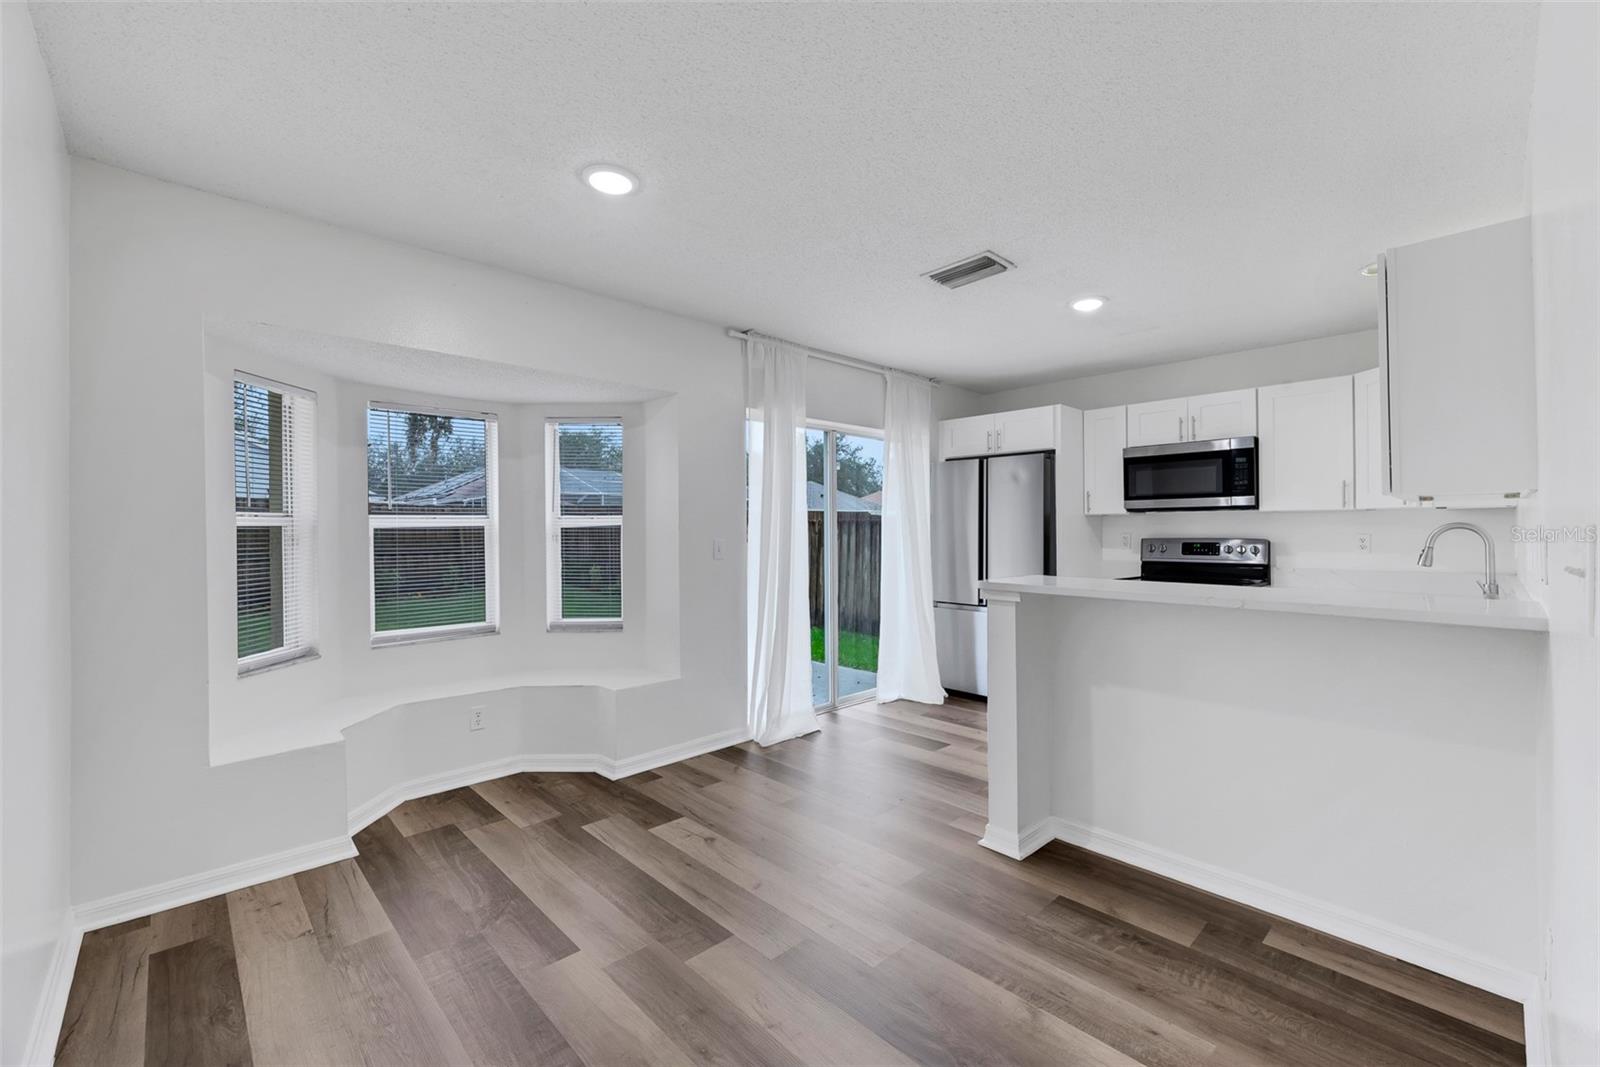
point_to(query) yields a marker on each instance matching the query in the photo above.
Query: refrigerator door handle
(983, 526)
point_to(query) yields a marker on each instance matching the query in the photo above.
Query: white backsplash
(1327, 540)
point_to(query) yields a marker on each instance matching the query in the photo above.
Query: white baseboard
(1423, 950)
(52, 1007)
(649, 761)
(137, 903)
(141, 902)
(1019, 846)
(371, 811)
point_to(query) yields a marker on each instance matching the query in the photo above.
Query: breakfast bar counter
(1356, 751)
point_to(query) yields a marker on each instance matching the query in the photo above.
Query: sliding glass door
(844, 502)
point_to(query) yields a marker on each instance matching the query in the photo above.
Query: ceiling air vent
(972, 269)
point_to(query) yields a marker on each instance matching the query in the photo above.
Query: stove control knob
(1255, 550)
(1229, 549)
(1163, 550)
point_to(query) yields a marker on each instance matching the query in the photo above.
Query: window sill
(421, 637)
(584, 626)
(252, 669)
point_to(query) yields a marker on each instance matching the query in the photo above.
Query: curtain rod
(831, 357)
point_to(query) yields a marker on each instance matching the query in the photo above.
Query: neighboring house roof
(815, 500)
(464, 488)
(591, 486)
(578, 487)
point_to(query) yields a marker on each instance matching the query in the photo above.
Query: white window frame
(555, 522)
(298, 523)
(488, 522)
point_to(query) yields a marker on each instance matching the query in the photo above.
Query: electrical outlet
(1364, 544)
(1127, 541)
(475, 717)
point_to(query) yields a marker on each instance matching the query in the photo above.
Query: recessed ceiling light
(1370, 270)
(609, 179)
(1088, 304)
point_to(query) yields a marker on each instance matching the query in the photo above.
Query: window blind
(584, 567)
(274, 503)
(432, 511)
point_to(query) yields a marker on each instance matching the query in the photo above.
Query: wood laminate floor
(822, 901)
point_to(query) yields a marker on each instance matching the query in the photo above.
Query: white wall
(152, 262)
(1564, 179)
(1322, 540)
(35, 679)
(1298, 361)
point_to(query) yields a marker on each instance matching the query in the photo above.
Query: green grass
(418, 612)
(255, 633)
(855, 650)
(586, 604)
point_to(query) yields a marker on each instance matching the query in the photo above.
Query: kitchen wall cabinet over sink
(1456, 366)
(1026, 430)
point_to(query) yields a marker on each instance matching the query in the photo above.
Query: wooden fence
(860, 569)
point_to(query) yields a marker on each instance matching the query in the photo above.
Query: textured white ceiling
(1219, 171)
(415, 370)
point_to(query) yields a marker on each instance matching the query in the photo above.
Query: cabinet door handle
(997, 434)
(1344, 493)
(1088, 506)
(1191, 428)
(988, 441)
(1180, 427)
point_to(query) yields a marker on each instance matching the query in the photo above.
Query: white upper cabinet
(1158, 422)
(1456, 365)
(1027, 430)
(966, 437)
(1193, 418)
(1369, 444)
(1216, 415)
(1307, 449)
(1105, 433)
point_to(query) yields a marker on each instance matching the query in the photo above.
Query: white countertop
(1445, 599)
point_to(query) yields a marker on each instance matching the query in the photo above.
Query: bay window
(584, 523)
(274, 513)
(433, 511)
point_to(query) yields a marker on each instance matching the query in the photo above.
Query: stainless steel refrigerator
(992, 518)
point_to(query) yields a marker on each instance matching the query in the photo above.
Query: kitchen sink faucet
(1490, 587)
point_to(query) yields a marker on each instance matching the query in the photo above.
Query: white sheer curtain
(908, 661)
(779, 705)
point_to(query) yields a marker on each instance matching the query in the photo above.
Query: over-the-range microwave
(1190, 475)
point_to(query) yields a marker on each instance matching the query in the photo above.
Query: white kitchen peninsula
(1353, 751)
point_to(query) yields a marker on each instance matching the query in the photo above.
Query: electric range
(1205, 560)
